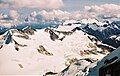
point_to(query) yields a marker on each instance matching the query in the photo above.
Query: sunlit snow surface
(28, 61)
(34, 63)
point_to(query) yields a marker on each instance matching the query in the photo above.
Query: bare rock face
(20, 65)
(43, 51)
(58, 35)
(28, 30)
(53, 36)
(50, 74)
(19, 34)
(65, 32)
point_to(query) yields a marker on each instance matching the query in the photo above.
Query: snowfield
(54, 57)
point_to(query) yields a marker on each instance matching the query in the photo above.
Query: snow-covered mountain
(71, 48)
(43, 52)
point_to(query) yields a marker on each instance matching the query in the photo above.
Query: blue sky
(75, 5)
(69, 5)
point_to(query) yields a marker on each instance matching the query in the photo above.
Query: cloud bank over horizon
(40, 4)
(104, 11)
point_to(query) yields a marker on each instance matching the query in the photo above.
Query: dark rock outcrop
(43, 51)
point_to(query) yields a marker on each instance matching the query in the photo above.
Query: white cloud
(1, 16)
(106, 10)
(13, 14)
(94, 11)
(52, 4)
(59, 14)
